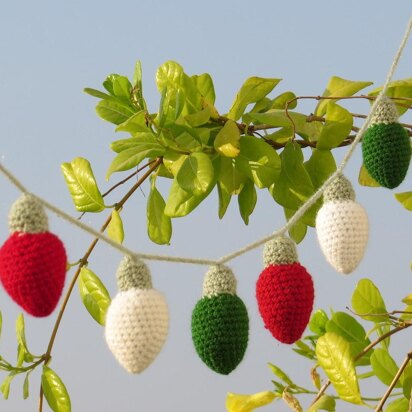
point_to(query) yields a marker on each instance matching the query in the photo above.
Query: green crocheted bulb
(386, 150)
(220, 329)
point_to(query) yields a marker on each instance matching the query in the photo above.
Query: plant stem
(83, 262)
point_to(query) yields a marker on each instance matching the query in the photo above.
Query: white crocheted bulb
(137, 324)
(342, 229)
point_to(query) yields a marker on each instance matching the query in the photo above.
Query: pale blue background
(51, 50)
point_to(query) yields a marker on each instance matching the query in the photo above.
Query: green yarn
(133, 273)
(279, 251)
(386, 150)
(220, 329)
(340, 189)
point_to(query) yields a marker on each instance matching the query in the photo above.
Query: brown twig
(83, 262)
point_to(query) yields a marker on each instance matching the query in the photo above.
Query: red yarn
(33, 270)
(285, 297)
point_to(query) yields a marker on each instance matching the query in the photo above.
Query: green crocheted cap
(386, 150)
(27, 215)
(133, 273)
(279, 251)
(219, 279)
(340, 189)
(220, 331)
(385, 113)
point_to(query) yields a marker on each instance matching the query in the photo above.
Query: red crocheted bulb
(285, 297)
(33, 270)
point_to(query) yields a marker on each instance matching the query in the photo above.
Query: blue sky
(51, 50)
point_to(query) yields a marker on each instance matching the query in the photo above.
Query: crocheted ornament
(386, 146)
(32, 260)
(284, 291)
(342, 226)
(220, 323)
(137, 320)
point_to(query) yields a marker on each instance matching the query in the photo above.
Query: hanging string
(224, 259)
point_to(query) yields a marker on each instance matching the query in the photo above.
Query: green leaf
(406, 381)
(230, 177)
(320, 166)
(199, 118)
(398, 405)
(247, 200)
(318, 321)
(108, 83)
(159, 225)
(224, 199)
(298, 231)
(180, 203)
(54, 391)
(397, 88)
(115, 229)
(113, 112)
(196, 175)
(26, 385)
(408, 299)
(94, 295)
(122, 88)
(204, 84)
(337, 127)
(335, 357)
(324, 403)
(352, 331)
(82, 185)
(98, 94)
(169, 75)
(137, 74)
(136, 123)
(405, 198)
(304, 350)
(291, 401)
(254, 89)
(279, 102)
(259, 161)
(367, 300)
(227, 141)
(5, 386)
(340, 88)
(384, 366)
(365, 179)
(129, 158)
(281, 375)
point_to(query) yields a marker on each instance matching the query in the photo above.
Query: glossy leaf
(318, 321)
(199, 118)
(337, 127)
(108, 82)
(224, 199)
(365, 179)
(196, 175)
(230, 177)
(279, 102)
(115, 229)
(113, 112)
(281, 375)
(367, 300)
(405, 198)
(340, 88)
(122, 88)
(258, 161)
(227, 141)
(384, 366)
(94, 295)
(335, 357)
(5, 386)
(204, 84)
(248, 403)
(169, 75)
(98, 94)
(398, 405)
(247, 200)
(324, 403)
(159, 225)
(320, 166)
(254, 89)
(82, 185)
(54, 391)
(136, 123)
(304, 350)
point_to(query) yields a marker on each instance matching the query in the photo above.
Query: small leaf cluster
(346, 354)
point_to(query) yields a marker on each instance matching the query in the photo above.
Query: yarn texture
(137, 320)
(284, 291)
(220, 322)
(386, 146)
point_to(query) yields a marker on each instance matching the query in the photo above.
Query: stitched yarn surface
(285, 297)
(137, 323)
(386, 153)
(342, 229)
(220, 328)
(33, 271)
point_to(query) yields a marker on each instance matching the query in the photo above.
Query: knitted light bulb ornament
(342, 226)
(32, 260)
(220, 323)
(137, 320)
(386, 146)
(284, 291)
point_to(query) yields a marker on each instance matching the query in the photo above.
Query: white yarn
(137, 323)
(385, 113)
(342, 229)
